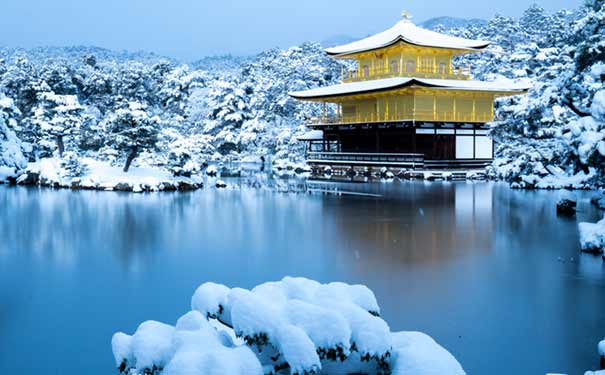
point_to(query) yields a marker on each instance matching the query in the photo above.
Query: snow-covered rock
(592, 236)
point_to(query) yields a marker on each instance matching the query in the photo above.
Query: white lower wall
(464, 147)
(483, 147)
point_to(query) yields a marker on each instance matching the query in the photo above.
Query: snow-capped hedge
(294, 326)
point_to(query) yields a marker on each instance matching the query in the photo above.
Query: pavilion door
(444, 147)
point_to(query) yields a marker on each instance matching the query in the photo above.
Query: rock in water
(123, 186)
(566, 207)
(221, 184)
(599, 202)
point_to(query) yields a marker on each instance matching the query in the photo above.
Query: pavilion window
(442, 68)
(366, 71)
(426, 64)
(410, 66)
(394, 66)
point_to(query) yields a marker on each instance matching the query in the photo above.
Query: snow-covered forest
(72, 109)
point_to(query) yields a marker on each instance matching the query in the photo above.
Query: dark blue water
(485, 270)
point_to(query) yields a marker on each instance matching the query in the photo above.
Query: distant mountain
(451, 22)
(41, 54)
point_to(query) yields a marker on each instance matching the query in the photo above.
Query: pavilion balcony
(424, 116)
(408, 160)
(381, 73)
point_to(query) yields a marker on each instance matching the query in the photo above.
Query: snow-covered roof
(313, 135)
(406, 31)
(401, 82)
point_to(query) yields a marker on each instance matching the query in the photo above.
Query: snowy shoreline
(99, 175)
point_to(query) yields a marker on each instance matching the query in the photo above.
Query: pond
(491, 273)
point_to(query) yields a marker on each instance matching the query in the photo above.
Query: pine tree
(56, 117)
(132, 130)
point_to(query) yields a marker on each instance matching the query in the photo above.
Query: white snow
(210, 299)
(6, 172)
(400, 82)
(406, 31)
(416, 353)
(597, 109)
(326, 316)
(592, 236)
(193, 347)
(151, 345)
(101, 175)
(312, 135)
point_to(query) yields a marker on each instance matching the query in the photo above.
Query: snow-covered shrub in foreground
(293, 326)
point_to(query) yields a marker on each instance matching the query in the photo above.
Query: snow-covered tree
(132, 130)
(56, 117)
(72, 165)
(11, 147)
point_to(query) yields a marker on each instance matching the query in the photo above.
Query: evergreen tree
(56, 117)
(11, 148)
(132, 130)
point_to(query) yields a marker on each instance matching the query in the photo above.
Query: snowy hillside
(552, 137)
(154, 113)
(138, 109)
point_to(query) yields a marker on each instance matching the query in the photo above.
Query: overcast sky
(190, 29)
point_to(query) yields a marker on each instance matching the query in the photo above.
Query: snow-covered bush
(72, 165)
(294, 326)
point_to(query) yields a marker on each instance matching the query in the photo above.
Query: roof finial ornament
(407, 16)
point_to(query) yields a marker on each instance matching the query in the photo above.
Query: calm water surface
(489, 272)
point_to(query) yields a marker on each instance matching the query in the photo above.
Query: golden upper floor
(406, 50)
(401, 60)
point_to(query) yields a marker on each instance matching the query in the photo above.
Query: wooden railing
(367, 158)
(379, 73)
(478, 117)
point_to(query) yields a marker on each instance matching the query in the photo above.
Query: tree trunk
(130, 158)
(575, 109)
(60, 145)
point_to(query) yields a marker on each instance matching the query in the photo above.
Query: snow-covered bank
(294, 326)
(98, 175)
(592, 236)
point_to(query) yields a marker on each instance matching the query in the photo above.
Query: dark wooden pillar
(377, 141)
(414, 139)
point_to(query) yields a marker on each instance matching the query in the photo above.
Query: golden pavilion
(405, 103)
